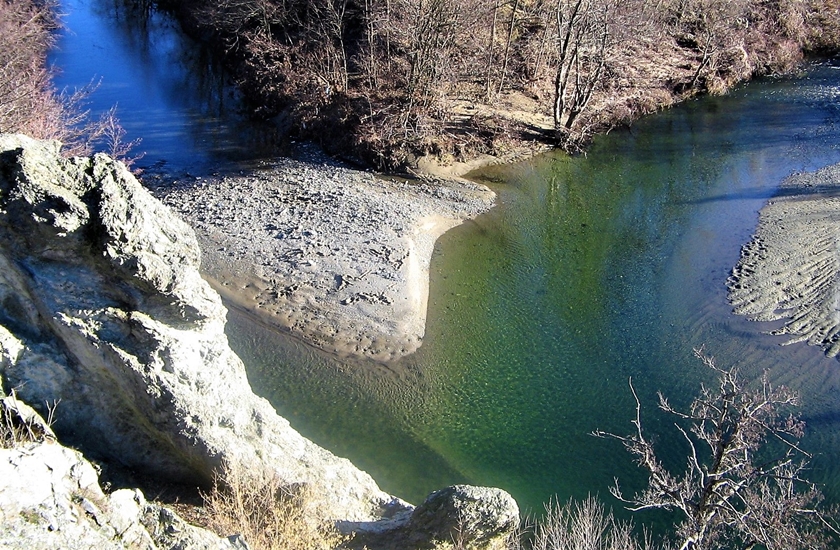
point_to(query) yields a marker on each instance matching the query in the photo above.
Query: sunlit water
(590, 271)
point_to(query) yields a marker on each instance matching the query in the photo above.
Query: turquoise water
(590, 270)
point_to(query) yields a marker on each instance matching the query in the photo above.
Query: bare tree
(508, 40)
(235, 19)
(582, 38)
(715, 30)
(431, 34)
(742, 485)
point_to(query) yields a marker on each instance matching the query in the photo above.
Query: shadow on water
(818, 191)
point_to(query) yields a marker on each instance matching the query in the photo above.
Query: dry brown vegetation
(29, 104)
(27, 101)
(584, 525)
(268, 514)
(377, 79)
(20, 424)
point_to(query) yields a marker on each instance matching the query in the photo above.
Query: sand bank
(790, 270)
(335, 256)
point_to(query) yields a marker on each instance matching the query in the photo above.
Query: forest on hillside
(386, 81)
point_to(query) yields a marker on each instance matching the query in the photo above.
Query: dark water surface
(590, 270)
(168, 91)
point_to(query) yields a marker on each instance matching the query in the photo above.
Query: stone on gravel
(337, 257)
(476, 517)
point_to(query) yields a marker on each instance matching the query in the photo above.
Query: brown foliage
(821, 23)
(384, 71)
(29, 104)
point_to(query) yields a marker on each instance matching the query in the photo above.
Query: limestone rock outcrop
(485, 516)
(459, 516)
(105, 317)
(102, 309)
(50, 497)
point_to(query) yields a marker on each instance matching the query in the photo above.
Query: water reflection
(170, 91)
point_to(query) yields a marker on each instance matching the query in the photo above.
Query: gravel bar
(337, 257)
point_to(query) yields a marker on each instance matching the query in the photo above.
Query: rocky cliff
(50, 497)
(103, 310)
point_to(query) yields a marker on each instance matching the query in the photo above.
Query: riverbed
(590, 270)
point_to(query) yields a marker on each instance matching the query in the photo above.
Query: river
(591, 270)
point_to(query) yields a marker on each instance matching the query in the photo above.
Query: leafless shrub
(582, 526)
(268, 514)
(743, 483)
(110, 133)
(822, 25)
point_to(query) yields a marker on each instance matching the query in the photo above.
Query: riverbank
(387, 85)
(337, 257)
(789, 271)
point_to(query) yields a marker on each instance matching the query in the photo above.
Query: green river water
(589, 271)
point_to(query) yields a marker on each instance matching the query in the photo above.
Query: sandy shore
(335, 256)
(790, 270)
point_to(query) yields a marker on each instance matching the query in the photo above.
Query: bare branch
(724, 493)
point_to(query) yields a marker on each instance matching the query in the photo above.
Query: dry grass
(268, 514)
(584, 525)
(20, 424)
